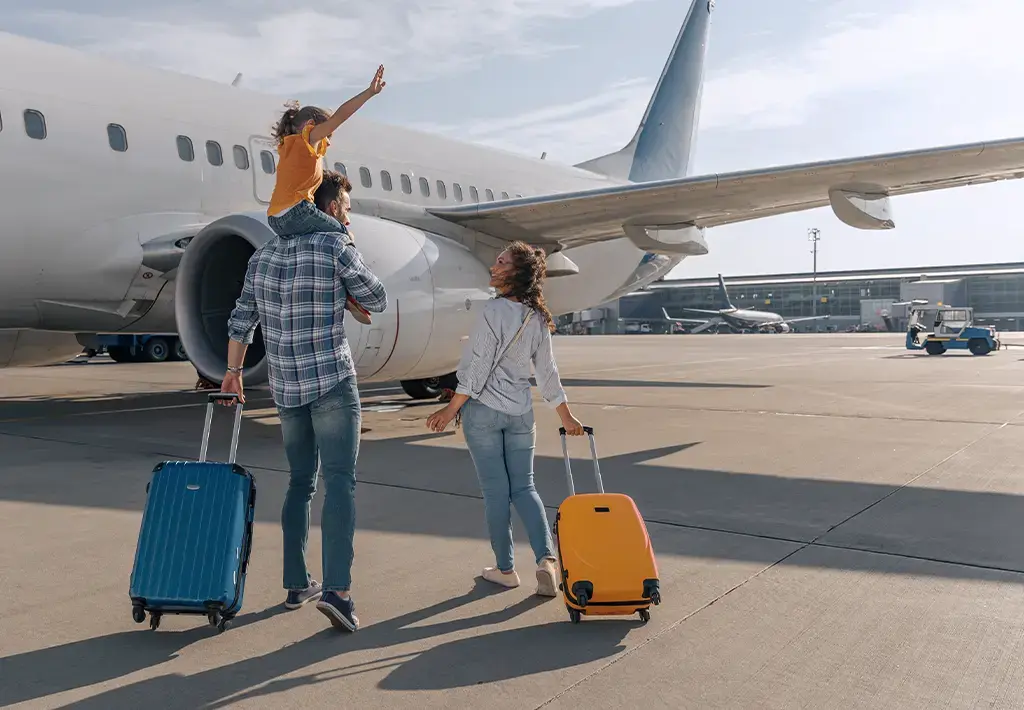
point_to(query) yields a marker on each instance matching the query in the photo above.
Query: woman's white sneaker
(493, 574)
(547, 579)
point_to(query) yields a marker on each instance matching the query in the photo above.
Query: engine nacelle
(31, 348)
(432, 283)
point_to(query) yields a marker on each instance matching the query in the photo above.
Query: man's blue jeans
(330, 426)
(502, 448)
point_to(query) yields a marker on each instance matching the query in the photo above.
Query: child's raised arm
(348, 108)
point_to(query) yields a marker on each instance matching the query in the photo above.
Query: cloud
(587, 126)
(869, 52)
(422, 40)
(929, 46)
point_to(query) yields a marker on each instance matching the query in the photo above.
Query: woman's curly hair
(526, 280)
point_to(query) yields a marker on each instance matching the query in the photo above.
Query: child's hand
(378, 82)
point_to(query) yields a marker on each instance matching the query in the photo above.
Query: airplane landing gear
(431, 387)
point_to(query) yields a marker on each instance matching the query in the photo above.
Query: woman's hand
(572, 425)
(439, 420)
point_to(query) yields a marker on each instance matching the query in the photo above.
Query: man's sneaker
(301, 597)
(340, 611)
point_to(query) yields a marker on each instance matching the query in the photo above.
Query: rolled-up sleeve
(245, 316)
(546, 370)
(477, 357)
(361, 283)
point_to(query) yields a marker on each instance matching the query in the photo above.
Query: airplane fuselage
(750, 319)
(100, 160)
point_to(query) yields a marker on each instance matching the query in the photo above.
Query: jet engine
(31, 348)
(432, 285)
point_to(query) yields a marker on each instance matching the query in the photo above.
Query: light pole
(814, 236)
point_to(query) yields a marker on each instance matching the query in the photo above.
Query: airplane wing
(807, 318)
(685, 320)
(698, 310)
(858, 190)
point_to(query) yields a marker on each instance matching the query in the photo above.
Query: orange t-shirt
(299, 172)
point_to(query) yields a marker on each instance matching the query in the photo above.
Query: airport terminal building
(850, 298)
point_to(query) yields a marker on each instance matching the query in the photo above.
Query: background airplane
(740, 319)
(133, 199)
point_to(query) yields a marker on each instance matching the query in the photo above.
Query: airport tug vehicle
(952, 329)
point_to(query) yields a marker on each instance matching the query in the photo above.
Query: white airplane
(132, 199)
(739, 319)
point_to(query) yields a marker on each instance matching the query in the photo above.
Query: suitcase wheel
(645, 615)
(154, 621)
(574, 615)
(216, 619)
(138, 614)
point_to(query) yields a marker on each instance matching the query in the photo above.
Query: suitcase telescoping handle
(593, 452)
(222, 397)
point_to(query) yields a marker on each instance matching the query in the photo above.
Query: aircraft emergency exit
(133, 199)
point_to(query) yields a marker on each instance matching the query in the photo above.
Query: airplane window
(442, 191)
(241, 157)
(340, 167)
(267, 161)
(504, 195)
(424, 187)
(35, 124)
(518, 195)
(364, 176)
(490, 194)
(385, 180)
(214, 153)
(406, 184)
(474, 194)
(117, 137)
(458, 191)
(185, 151)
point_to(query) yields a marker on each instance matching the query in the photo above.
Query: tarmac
(838, 524)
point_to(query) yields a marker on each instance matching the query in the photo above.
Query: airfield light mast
(814, 236)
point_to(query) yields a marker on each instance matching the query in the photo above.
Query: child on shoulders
(303, 136)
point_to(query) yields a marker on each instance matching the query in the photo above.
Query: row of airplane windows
(117, 138)
(366, 180)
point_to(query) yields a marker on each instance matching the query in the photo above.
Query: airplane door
(376, 342)
(264, 167)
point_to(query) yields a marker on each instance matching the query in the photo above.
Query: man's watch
(235, 370)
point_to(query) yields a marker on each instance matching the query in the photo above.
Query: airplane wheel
(431, 387)
(423, 389)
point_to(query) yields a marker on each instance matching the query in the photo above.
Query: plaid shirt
(296, 288)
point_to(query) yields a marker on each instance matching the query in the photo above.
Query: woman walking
(495, 408)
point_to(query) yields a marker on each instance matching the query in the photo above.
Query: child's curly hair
(294, 118)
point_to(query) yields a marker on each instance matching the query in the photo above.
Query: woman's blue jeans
(502, 448)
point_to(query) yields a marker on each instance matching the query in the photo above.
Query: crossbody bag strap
(497, 360)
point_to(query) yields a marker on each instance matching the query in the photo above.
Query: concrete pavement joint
(803, 543)
(757, 574)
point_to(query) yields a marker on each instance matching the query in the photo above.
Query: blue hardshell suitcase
(196, 535)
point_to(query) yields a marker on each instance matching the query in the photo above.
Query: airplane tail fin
(662, 146)
(723, 294)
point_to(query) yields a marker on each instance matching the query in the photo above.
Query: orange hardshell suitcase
(606, 558)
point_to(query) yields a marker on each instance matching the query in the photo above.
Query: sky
(787, 81)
